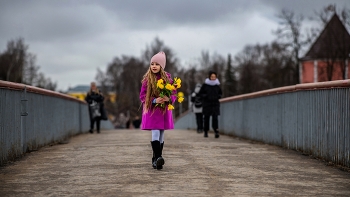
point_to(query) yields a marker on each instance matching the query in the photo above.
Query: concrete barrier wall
(32, 117)
(311, 118)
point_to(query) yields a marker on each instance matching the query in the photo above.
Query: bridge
(288, 141)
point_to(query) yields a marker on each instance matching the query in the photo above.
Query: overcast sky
(71, 39)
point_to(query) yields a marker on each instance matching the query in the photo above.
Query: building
(328, 57)
(80, 92)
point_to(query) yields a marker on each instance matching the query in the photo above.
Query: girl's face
(212, 77)
(155, 67)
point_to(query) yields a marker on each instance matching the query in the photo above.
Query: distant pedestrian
(128, 124)
(123, 120)
(136, 122)
(95, 100)
(211, 93)
(197, 107)
(155, 117)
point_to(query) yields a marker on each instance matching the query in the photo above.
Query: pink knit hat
(159, 58)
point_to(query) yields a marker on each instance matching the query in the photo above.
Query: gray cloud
(304, 7)
(177, 12)
(73, 38)
(51, 22)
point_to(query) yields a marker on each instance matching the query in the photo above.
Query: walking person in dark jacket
(211, 93)
(96, 109)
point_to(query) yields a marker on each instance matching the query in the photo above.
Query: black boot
(158, 160)
(161, 151)
(205, 133)
(217, 135)
(153, 157)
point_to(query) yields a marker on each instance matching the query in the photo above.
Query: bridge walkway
(118, 163)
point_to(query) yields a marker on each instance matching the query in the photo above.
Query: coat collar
(212, 82)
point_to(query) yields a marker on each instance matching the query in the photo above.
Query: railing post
(24, 113)
(80, 118)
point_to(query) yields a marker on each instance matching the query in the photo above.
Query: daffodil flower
(170, 107)
(160, 86)
(168, 87)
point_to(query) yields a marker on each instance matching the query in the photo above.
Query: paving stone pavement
(118, 163)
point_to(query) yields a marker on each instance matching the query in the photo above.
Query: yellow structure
(112, 97)
(80, 92)
(78, 95)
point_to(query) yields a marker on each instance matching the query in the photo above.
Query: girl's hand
(165, 98)
(159, 100)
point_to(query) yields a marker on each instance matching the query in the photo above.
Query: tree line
(18, 65)
(256, 67)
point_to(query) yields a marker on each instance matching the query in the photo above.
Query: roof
(79, 88)
(86, 88)
(333, 38)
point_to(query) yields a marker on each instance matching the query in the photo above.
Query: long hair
(152, 90)
(97, 90)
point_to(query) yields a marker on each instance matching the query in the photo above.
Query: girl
(154, 117)
(210, 93)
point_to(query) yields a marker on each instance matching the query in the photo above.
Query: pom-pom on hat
(159, 58)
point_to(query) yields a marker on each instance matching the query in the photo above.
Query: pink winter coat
(155, 118)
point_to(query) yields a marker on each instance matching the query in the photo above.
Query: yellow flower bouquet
(166, 89)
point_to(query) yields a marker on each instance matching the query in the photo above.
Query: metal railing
(31, 117)
(312, 118)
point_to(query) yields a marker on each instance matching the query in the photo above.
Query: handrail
(292, 88)
(20, 87)
(312, 118)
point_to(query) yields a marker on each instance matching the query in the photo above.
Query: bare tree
(18, 65)
(46, 83)
(204, 61)
(12, 61)
(324, 15)
(250, 72)
(290, 35)
(263, 67)
(218, 65)
(30, 74)
(278, 65)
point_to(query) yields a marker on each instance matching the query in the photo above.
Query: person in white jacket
(197, 108)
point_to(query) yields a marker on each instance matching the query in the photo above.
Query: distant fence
(313, 118)
(31, 117)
